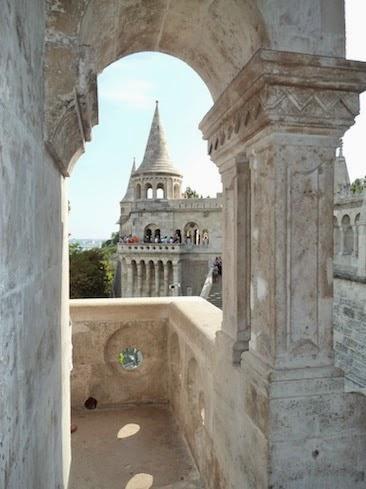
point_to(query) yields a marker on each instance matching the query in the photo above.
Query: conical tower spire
(156, 158)
(129, 195)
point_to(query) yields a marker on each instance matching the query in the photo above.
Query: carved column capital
(293, 92)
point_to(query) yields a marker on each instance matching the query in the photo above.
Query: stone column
(157, 279)
(235, 174)
(129, 281)
(139, 279)
(286, 113)
(166, 279)
(355, 240)
(148, 280)
(177, 277)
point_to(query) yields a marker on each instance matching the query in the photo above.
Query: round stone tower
(156, 177)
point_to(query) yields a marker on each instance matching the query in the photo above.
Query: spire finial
(340, 148)
(157, 102)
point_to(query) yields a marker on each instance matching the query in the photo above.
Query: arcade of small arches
(152, 277)
(346, 234)
(153, 188)
(192, 235)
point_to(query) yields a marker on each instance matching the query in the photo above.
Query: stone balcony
(169, 396)
(161, 248)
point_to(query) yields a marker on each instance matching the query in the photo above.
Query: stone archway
(273, 133)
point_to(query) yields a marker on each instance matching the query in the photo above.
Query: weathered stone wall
(32, 344)
(99, 335)
(350, 332)
(222, 409)
(194, 273)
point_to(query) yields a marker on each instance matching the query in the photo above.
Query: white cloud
(134, 93)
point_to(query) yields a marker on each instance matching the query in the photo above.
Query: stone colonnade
(350, 238)
(150, 277)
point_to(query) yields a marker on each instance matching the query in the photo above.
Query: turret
(341, 176)
(156, 177)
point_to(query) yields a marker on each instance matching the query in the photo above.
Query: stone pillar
(148, 280)
(157, 279)
(177, 277)
(235, 174)
(286, 113)
(166, 279)
(139, 280)
(129, 281)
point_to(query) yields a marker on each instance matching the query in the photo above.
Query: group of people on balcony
(129, 239)
(176, 239)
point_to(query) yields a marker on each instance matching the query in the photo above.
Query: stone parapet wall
(350, 332)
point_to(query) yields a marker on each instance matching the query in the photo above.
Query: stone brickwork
(350, 332)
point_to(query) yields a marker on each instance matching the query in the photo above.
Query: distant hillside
(87, 244)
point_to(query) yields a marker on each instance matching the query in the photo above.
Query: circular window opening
(130, 358)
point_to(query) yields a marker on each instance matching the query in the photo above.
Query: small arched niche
(347, 235)
(138, 191)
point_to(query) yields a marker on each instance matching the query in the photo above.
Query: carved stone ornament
(295, 92)
(71, 103)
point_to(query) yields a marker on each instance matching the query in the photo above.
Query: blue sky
(127, 93)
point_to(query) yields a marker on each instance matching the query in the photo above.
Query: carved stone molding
(71, 108)
(295, 92)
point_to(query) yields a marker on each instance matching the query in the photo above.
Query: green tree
(189, 193)
(358, 185)
(91, 273)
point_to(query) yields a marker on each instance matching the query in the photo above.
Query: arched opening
(217, 38)
(142, 279)
(170, 277)
(160, 191)
(123, 277)
(134, 278)
(149, 193)
(192, 234)
(357, 234)
(178, 236)
(348, 238)
(151, 231)
(138, 192)
(337, 236)
(150, 271)
(159, 276)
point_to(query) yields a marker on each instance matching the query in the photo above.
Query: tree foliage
(91, 272)
(358, 185)
(189, 193)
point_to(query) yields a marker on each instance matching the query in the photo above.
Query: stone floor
(132, 448)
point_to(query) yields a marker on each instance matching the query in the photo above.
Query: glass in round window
(130, 358)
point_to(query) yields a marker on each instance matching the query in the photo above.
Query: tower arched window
(149, 194)
(160, 191)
